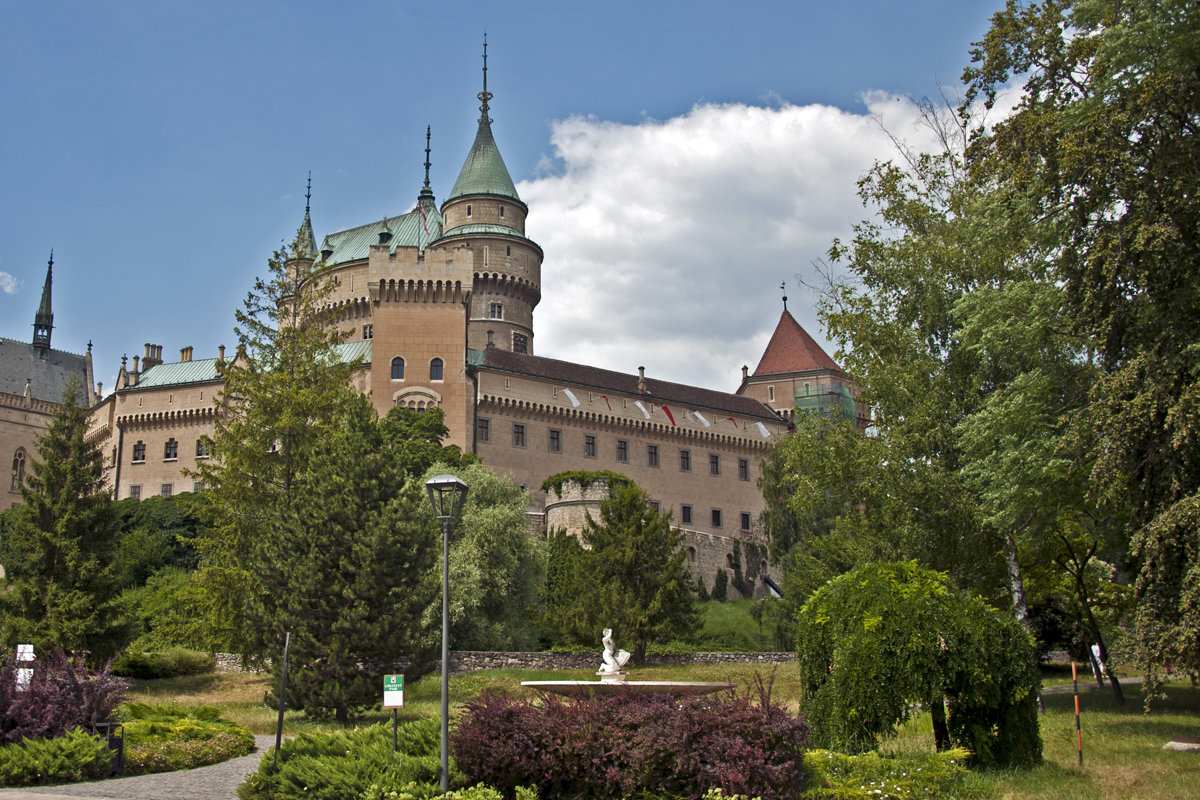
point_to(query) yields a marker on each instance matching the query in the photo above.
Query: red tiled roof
(791, 349)
(619, 382)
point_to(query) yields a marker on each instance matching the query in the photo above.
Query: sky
(680, 160)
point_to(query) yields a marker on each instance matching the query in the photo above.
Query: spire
(43, 320)
(306, 242)
(484, 171)
(792, 349)
(425, 190)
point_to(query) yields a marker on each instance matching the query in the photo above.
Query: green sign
(393, 691)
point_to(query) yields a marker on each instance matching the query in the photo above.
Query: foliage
(1104, 143)
(169, 663)
(634, 571)
(61, 695)
(160, 614)
(166, 738)
(285, 390)
(361, 546)
(72, 757)
(584, 478)
(836, 776)
(358, 763)
(876, 640)
(60, 544)
(720, 590)
(497, 569)
(154, 534)
(621, 746)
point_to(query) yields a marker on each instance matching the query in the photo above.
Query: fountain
(614, 681)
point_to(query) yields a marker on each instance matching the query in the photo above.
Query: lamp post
(447, 494)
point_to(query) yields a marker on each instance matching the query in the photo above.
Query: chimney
(185, 354)
(99, 389)
(745, 372)
(136, 369)
(153, 356)
(641, 380)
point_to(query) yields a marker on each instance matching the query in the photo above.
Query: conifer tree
(60, 544)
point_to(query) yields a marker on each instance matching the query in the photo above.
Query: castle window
(589, 446)
(518, 435)
(368, 331)
(139, 451)
(201, 449)
(520, 343)
(435, 370)
(397, 368)
(508, 249)
(496, 311)
(743, 469)
(468, 209)
(167, 489)
(685, 516)
(623, 451)
(656, 506)
(501, 212)
(483, 429)
(691, 554)
(171, 449)
(745, 521)
(652, 455)
(714, 464)
(197, 486)
(771, 393)
(135, 491)
(685, 460)
(554, 445)
(18, 472)
(716, 519)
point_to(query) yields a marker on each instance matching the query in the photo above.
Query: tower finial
(783, 288)
(308, 193)
(485, 95)
(427, 134)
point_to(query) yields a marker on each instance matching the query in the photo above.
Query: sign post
(393, 698)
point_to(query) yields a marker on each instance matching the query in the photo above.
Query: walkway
(218, 782)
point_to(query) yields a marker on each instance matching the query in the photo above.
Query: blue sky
(680, 160)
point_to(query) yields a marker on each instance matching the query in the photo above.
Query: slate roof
(791, 349)
(48, 377)
(407, 230)
(658, 391)
(484, 172)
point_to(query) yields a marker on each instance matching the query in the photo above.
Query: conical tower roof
(306, 241)
(43, 320)
(791, 349)
(484, 171)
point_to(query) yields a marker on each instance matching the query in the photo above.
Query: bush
(62, 695)
(870, 776)
(167, 738)
(170, 663)
(628, 744)
(69, 758)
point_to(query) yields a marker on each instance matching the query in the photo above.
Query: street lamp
(447, 494)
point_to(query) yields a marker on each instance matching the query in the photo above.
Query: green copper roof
(204, 370)
(485, 229)
(306, 242)
(484, 171)
(408, 230)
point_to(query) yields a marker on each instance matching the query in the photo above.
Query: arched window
(435, 370)
(397, 368)
(18, 472)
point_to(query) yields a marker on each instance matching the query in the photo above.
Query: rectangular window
(201, 449)
(518, 435)
(197, 486)
(171, 449)
(520, 343)
(483, 429)
(654, 504)
(589, 446)
(368, 331)
(167, 488)
(685, 515)
(135, 491)
(685, 460)
(743, 469)
(652, 455)
(623, 451)
(496, 311)
(745, 521)
(139, 451)
(771, 394)
(714, 464)
(554, 445)
(716, 517)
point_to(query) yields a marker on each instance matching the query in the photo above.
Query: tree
(284, 391)
(497, 569)
(355, 572)
(878, 639)
(632, 576)
(60, 544)
(1104, 143)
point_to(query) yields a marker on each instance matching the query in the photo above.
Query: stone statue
(614, 659)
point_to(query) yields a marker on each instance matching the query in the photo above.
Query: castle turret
(303, 252)
(43, 320)
(484, 212)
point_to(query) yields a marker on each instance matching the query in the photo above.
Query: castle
(441, 301)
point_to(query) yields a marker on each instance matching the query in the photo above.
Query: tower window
(435, 370)
(716, 517)
(520, 343)
(518, 435)
(468, 209)
(589, 446)
(685, 460)
(743, 469)
(508, 249)
(685, 516)
(745, 521)
(171, 449)
(623, 451)
(714, 464)
(18, 473)
(483, 429)
(771, 393)
(397, 368)
(555, 443)
(368, 331)
(501, 212)
(139, 451)
(201, 449)
(496, 311)
(652, 455)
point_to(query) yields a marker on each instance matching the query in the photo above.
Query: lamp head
(447, 494)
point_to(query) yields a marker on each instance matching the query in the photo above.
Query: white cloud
(9, 283)
(666, 241)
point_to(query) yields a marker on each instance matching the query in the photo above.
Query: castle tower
(43, 320)
(484, 212)
(303, 252)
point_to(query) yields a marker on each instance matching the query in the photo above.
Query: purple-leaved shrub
(627, 744)
(62, 695)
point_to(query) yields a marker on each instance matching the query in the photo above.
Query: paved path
(218, 782)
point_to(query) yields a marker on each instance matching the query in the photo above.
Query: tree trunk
(1081, 589)
(941, 731)
(1016, 584)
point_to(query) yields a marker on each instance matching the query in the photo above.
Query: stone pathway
(218, 782)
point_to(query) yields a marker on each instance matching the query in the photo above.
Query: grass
(729, 625)
(1123, 755)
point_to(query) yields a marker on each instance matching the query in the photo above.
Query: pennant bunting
(700, 417)
(604, 397)
(734, 421)
(571, 396)
(763, 430)
(670, 416)
(645, 411)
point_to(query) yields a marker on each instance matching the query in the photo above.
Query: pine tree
(60, 544)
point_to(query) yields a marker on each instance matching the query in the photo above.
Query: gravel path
(218, 782)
